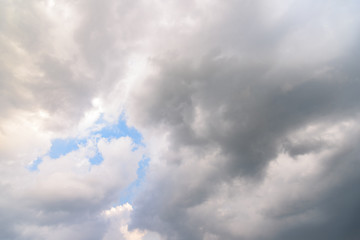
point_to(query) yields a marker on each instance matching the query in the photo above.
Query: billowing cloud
(246, 112)
(254, 120)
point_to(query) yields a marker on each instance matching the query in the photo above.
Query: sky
(179, 120)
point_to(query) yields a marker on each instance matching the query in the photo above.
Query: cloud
(68, 191)
(58, 66)
(255, 88)
(120, 217)
(248, 111)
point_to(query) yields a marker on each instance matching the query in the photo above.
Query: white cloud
(119, 218)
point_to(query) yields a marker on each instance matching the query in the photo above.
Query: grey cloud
(304, 147)
(253, 139)
(336, 202)
(241, 103)
(247, 114)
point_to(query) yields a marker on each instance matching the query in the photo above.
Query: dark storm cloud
(249, 129)
(248, 113)
(239, 97)
(336, 203)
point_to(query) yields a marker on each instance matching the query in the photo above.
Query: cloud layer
(248, 111)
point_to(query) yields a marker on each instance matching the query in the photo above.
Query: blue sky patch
(34, 165)
(128, 194)
(61, 147)
(121, 130)
(97, 159)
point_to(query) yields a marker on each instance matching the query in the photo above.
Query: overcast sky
(179, 120)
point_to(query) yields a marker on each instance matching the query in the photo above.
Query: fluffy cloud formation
(67, 194)
(248, 110)
(51, 89)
